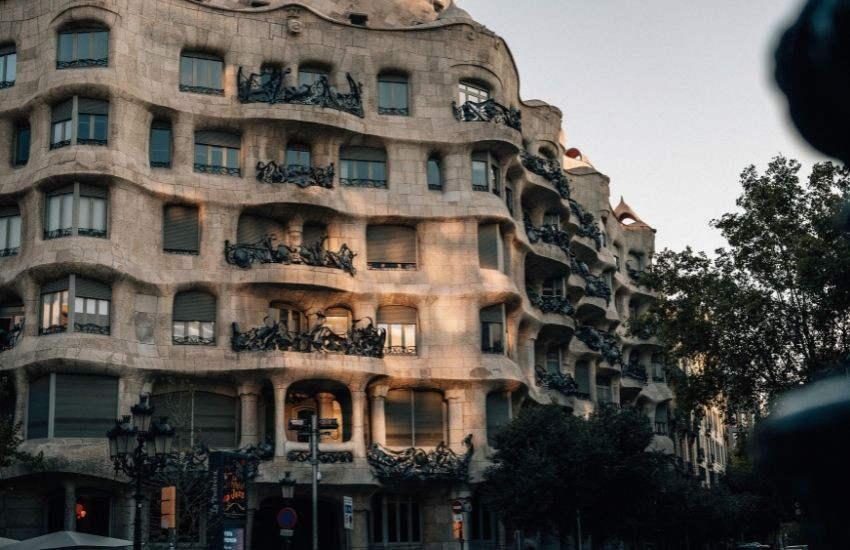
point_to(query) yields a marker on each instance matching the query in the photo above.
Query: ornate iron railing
(219, 170)
(634, 274)
(365, 341)
(11, 251)
(269, 88)
(91, 141)
(91, 328)
(603, 342)
(477, 187)
(6, 84)
(488, 111)
(635, 370)
(550, 234)
(400, 350)
(397, 111)
(495, 350)
(264, 252)
(89, 232)
(201, 90)
(325, 457)
(10, 338)
(160, 164)
(193, 340)
(550, 170)
(80, 63)
(300, 175)
(57, 233)
(558, 381)
(550, 304)
(60, 144)
(361, 182)
(595, 287)
(404, 266)
(52, 329)
(587, 223)
(420, 466)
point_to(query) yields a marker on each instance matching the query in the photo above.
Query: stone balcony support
(280, 388)
(325, 401)
(378, 395)
(358, 432)
(455, 400)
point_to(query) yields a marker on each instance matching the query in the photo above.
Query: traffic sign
(457, 517)
(457, 507)
(287, 518)
(348, 512)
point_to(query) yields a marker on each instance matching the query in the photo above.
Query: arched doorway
(266, 533)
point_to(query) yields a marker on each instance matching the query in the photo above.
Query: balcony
(635, 370)
(363, 182)
(549, 170)
(300, 175)
(91, 141)
(218, 170)
(594, 286)
(587, 223)
(550, 234)
(603, 342)
(82, 63)
(661, 428)
(558, 381)
(414, 465)
(488, 111)
(551, 304)
(10, 338)
(268, 88)
(265, 252)
(363, 341)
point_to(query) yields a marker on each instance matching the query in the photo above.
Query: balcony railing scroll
(91, 328)
(420, 466)
(217, 170)
(558, 381)
(603, 342)
(269, 88)
(325, 457)
(551, 304)
(595, 287)
(10, 338)
(549, 169)
(364, 340)
(81, 63)
(488, 111)
(549, 233)
(300, 175)
(634, 274)
(635, 370)
(265, 252)
(587, 223)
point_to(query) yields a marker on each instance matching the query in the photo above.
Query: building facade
(256, 211)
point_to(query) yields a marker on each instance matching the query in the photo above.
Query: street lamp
(153, 445)
(287, 487)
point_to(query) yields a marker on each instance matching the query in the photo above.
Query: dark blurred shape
(813, 69)
(805, 446)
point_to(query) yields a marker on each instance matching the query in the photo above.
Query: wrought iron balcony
(11, 251)
(219, 170)
(550, 304)
(160, 164)
(6, 84)
(397, 111)
(402, 266)
(269, 88)
(300, 175)
(264, 252)
(488, 111)
(420, 466)
(635, 370)
(10, 338)
(634, 274)
(88, 141)
(201, 90)
(52, 329)
(325, 457)
(603, 342)
(90, 232)
(82, 63)
(550, 170)
(60, 144)
(365, 341)
(91, 328)
(595, 287)
(587, 223)
(495, 349)
(193, 340)
(361, 182)
(58, 233)
(400, 350)
(558, 381)
(550, 234)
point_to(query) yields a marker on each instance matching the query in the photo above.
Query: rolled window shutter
(391, 244)
(428, 418)
(56, 286)
(254, 228)
(492, 314)
(39, 408)
(85, 406)
(398, 410)
(313, 233)
(160, 124)
(62, 111)
(87, 190)
(7, 49)
(362, 153)
(87, 288)
(9, 210)
(90, 106)
(401, 315)
(194, 306)
(488, 246)
(180, 228)
(215, 419)
(64, 190)
(218, 138)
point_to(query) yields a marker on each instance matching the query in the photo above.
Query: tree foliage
(770, 311)
(10, 436)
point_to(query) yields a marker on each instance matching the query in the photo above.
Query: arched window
(83, 47)
(201, 73)
(180, 229)
(414, 418)
(253, 229)
(486, 174)
(8, 65)
(434, 174)
(193, 318)
(363, 167)
(393, 95)
(217, 152)
(10, 230)
(493, 329)
(472, 91)
(391, 247)
(199, 417)
(400, 324)
(499, 412)
(71, 405)
(160, 144)
(77, 302)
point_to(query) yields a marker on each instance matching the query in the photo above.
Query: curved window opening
(201, 73)
(393, 95)
(10, 230)
(414, 418)
(83, 47)
(491, 252)
(180, 229)
(474, 92)
(363, 167)
(298, 154)
(83, 119)
(160, 144)
(199, 417)
(78, 209)
(400, 325)
(71, 405)
(23, 135)
(8, 65)
(486, 174)
(193, 319)
(77, 302)
(391, 247)
(434, 174)
(217, 152)
(493, 329)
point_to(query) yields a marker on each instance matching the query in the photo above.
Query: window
(87, 204)
(489, 246)
(486, 175)
(396, 519)
(492, 329)
(92, 122)
(499, 413)
(85, 47)
(338, 319)
(391, 247)
(160, 144)
(509, 199)
(603, 390)
(10, 230)
(217, 153)
(253, 229)
(434, 174)
(582, 378)
(314, 234)
(298, 155)
(658, 374)
(71, 405)
(553, 286)
(469, 91)
(309, 76)
(553, 360)
(11, 316)
(414, 418)
(199, 417)
(22, 145)
(180, 229)
(289, 316)
(201, 73)
(393, 95)
(400, 324)
(8, 63)
(193, 319)
(363, 167)
(552, 218)
(75, 301)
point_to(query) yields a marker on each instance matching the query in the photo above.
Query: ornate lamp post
(153, 445)
(287, 491)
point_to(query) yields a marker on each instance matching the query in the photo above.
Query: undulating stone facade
(424, 257)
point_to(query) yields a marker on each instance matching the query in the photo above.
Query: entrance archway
(267, 533)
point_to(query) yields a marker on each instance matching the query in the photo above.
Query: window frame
(8, 58)
(434, 161)
(20, 157)
(488, 329)
(9, 227)
(68, 299)
(76, 61)
(194, 84)
(405, 232)
(194, 332)
(228, 154)
(473, 91)
(71, 128)
(381, 521)
(492, 172)
(351, 166)
(392, 83)
(406, 332)
(76, 229)
(160, 126)
(412, 421)
(316, 73)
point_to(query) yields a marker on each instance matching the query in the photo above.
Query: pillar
(455, 399)
(22, 387)
(249, 430)
(532, 344)
(325, 402)
(295, 231)
(378, 395)
(358, 433)
(359, 535)
(70, 523)
(280, 418)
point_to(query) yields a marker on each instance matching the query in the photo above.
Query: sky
(671, 99)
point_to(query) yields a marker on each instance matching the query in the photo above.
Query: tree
(772, 310)
(10, 435)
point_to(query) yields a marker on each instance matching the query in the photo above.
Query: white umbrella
(67, 539)
(6, 542)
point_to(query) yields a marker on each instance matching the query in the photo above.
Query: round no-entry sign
(287, 518)
(457, 507)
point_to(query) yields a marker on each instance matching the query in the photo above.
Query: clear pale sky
(671, 99)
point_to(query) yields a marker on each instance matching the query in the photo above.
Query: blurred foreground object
(805, 446)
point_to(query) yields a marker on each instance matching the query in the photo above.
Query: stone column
(248, 395)
(358, 435)
(280, 418)
(455, 399)
(378, 395)
(532, 344)
(325, 403)
(295, 231)
(70, 523)
(359, 535)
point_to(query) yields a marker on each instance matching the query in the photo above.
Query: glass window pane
(193, 328)
(215, 70)
(83, 45)
(395, 335)
(53, 206)
(179, 329)
(66, 129)
(160, 145)
(84, 127)
(66, 46)
(232, 158)
(186, 71)
(91, 306)
(79, 307)
(345, 169)
(14, 231)
(400, 95)
(67, 211)
(98, 214)
(100, 125)
(85, 213)
(57, 132)
(361, 169)
(4, 236)
(479, 173)
(397, 410)
(201, 72)
(207, 329)
(409, 335)
(216, 156)
(379, 171)
(101, 41)
(103, 307)
(434, 179)
(201, 152)
(384, 97)
(22, 150)
(11, 61)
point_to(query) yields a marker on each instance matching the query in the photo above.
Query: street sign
(287, 518)
(457, 530)
(348, 512)
(457, 517)
(457, 507)
(168, 507)
(233, 538)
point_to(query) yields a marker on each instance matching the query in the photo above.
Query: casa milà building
(254, 211)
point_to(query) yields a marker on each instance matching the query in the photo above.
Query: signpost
(348, 519)
(457, 522)
(287, 518)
